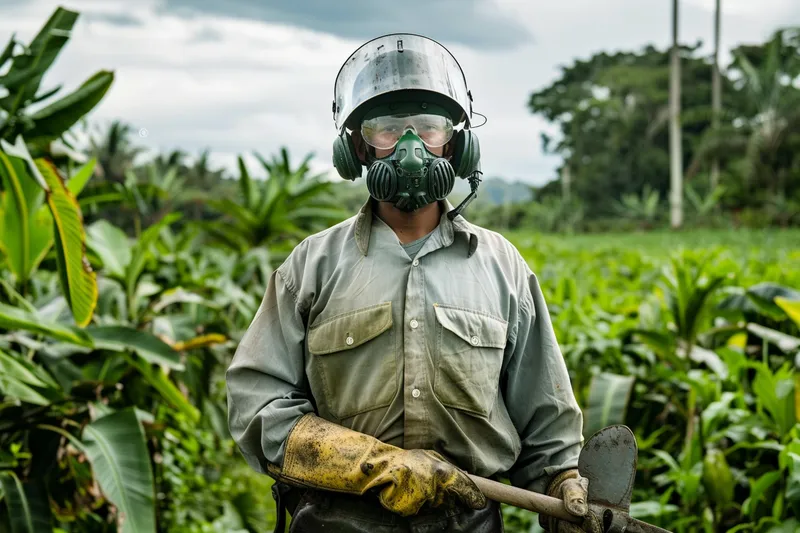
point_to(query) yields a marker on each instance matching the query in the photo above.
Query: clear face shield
(399, 62)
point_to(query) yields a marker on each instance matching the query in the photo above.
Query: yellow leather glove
(573, 489)
(324, 455)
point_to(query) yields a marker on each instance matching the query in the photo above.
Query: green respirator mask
(411, 176)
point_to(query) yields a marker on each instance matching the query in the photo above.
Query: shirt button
(413, 323)
(349, 340)
(416, 262)
(415, 393)
(475, 340)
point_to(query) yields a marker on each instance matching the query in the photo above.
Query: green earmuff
(466, 155)
(345, 158)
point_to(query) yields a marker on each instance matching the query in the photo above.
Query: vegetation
(124, 289)
(612, 111)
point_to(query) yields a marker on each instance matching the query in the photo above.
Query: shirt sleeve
(539, 395)
(265, 381)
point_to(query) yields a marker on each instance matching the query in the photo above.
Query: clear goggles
(383, 132)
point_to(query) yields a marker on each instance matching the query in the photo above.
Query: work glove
(573, 489)
(324, 455)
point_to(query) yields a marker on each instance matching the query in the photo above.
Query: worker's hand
(325, 455)
(573, 489)
(416, 477)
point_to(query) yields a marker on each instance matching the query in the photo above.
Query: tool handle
(524, 499)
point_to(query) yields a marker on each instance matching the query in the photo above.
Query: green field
(735, 396)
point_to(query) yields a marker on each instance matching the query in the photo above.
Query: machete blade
(608, 459)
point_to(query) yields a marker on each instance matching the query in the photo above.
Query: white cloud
(237, 85)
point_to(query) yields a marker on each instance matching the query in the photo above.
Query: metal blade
(608, 459)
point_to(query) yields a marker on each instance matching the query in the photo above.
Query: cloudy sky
(244, 75)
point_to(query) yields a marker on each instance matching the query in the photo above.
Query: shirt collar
(363, 227)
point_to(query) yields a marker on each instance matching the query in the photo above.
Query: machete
(608, 459)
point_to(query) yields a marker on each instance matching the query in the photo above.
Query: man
(403, 347)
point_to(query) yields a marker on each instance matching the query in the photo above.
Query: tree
(675, 148)
(716, 98)
(759, 139)
(612, 111)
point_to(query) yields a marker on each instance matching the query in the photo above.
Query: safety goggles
(384, 131)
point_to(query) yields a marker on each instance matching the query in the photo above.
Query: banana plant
(289, 203)
(28, 65)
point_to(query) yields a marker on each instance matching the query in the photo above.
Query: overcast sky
(243, 75)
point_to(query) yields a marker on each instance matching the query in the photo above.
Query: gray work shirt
(452, 350)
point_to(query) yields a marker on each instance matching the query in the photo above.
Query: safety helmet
(399, 65)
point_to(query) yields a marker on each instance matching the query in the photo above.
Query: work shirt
(452, 351)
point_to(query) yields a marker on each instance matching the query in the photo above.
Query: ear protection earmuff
(465, 161)
(466, 154)
(345, 157)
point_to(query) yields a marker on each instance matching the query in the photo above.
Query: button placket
(414, 347)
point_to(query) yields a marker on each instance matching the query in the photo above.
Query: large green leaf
(78, 281)
(19, 379)
(9, 366)
(246, 184)
(62, 114)
(146, 345)
(79, 180)
(793, 482)
(12, 318)
(27, 505)
(27, 70)
(608, 401)
(17, 391)
(15, 241)
(775, 394)
(111, 244)
(25, 239)
(116, 447)
(787, 343)
(790, 307)
(138, 258)
(758, 488)
(140, 250)
(763, 296)
(161, 382)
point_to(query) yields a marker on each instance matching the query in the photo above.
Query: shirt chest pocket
(353, 361)
(469, 355)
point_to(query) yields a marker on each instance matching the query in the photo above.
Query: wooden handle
(524, 499)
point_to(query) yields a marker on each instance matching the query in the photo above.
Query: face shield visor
(421, 68)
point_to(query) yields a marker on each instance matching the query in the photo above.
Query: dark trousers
(320, 511)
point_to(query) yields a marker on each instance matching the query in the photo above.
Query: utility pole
(676, 155)
(716, 95)
(565, 183)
